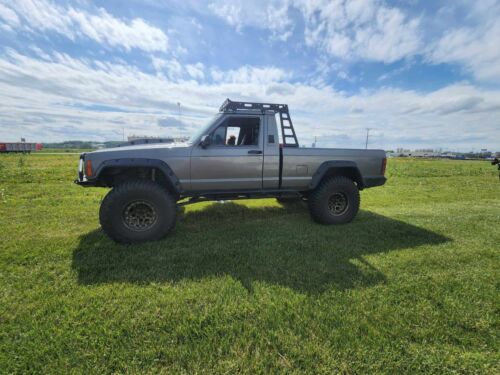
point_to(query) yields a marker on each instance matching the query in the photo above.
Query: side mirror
(205, 141)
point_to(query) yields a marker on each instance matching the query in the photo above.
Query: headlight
(80, 165)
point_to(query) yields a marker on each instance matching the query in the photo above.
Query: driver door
(233, 160)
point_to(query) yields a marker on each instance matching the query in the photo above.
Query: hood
(145, 146)
(160, 151)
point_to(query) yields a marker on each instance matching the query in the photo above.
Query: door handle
(255, 152)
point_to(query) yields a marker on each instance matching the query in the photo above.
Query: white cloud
(465, 33)
(250, 74)
(360, 29)
(102, 27)
(40, 53)
(280, 23)
(231, 13)
(177, 72)
(158, 63)
(172, 123)
(476, 47)
(64, 98)
(8, 16)
(171, 67)
(271, 15)
(195, 71)
(349, 29)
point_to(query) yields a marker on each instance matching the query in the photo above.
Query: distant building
(439, 153)
(424, 154)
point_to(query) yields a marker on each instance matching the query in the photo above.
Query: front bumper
(84, 182)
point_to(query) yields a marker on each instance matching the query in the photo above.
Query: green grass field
(411, 286)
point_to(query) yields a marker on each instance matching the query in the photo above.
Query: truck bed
(300, 163)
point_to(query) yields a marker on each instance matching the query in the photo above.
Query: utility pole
(123, 134)
(180, 113)
(367, 135)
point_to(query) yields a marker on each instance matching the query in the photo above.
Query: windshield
(203, 130)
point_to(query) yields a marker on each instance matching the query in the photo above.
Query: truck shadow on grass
(274, 245)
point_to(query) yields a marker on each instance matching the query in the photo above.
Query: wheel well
(349, 172)
(113, 176)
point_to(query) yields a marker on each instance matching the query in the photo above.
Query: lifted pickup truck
(248, 150)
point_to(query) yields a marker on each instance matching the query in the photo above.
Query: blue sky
(419, 74)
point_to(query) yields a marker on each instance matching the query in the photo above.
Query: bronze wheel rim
(139, 216)
(338, 204)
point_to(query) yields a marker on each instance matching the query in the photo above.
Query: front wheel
(334, 201)
(137, 211)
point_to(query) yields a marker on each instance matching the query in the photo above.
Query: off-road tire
(154, 216)
(325, 202)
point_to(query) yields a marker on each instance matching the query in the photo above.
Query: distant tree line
(81, 144)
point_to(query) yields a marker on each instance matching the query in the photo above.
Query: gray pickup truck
(248, 150)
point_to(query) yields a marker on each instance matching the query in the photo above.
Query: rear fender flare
(346, 168)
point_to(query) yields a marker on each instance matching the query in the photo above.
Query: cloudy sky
(420, 74)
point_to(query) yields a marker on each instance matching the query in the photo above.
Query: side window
(219, 136)
(237, 131)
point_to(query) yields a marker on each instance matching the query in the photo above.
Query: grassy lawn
(412, 285)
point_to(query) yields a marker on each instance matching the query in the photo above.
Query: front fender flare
(172, 179)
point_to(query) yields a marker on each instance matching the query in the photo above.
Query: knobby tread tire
(318, 200)
(110, 213)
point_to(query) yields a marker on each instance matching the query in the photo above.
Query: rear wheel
(138, 211)
(334, 201)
